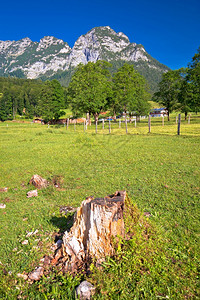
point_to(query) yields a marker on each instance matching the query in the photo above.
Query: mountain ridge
(51, 56)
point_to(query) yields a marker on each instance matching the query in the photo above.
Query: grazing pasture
(159, 170)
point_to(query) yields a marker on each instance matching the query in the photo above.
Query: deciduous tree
(51, 101)
(194, 80)
(130, 92)
(168, 90)
(90, 88)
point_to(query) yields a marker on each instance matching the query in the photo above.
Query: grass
(160, 172)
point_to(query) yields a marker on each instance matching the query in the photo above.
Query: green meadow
(160, 172)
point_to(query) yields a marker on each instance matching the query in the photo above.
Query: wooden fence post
(119, 123)
(126, 124)
(67, 123)
(103, 124)
(96, 125)
(149, 123)
(189, 118)
(176, 119)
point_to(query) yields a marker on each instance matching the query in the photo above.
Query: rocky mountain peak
(47, 41)
(51, 55)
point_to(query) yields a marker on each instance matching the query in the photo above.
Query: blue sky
(168, 29)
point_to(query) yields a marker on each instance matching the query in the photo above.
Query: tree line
(93, 90)
(29, 98)
(180, 89)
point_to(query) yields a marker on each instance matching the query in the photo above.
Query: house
(158, 112)
(39, 121)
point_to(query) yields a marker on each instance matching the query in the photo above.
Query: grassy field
(160, 171)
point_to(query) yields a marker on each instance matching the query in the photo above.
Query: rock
(59, 243)
(38, 181)
(33, 193)
(36, 274)
(25, 242)
(2, 205)
(147, 214)
(85, 290)
(46, 260)
(24, 276)
(4, 190)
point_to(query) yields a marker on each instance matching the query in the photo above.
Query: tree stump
(97, 222)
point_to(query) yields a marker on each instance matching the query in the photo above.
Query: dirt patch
(58, 181)
(7, 200)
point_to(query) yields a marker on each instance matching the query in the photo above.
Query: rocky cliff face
(28, 59)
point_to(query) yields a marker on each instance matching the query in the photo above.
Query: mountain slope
(53, 58)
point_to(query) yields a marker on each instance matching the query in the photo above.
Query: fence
(108, 126)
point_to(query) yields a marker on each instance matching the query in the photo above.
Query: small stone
(147, 214)
(46, 260)
(59, 243)
(85, 290)
(24, 276)
(4, 190)
(36, 274)
(38, 181)
(25, 242)
(33, 193)
(2, 205)
(15, 249)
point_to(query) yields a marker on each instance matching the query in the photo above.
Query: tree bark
(168, 115)
(97, 222)
(186, 115)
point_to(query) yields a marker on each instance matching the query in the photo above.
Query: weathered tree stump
(97, 222)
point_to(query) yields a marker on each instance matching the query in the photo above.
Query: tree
(6, 106)
(194, 80)
(185, 94)
(130, 92)
(51, 101)
(168, 90)
(90, 88)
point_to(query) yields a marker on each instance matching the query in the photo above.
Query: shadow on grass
(64, 223)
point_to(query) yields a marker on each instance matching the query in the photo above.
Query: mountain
(53, 58)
